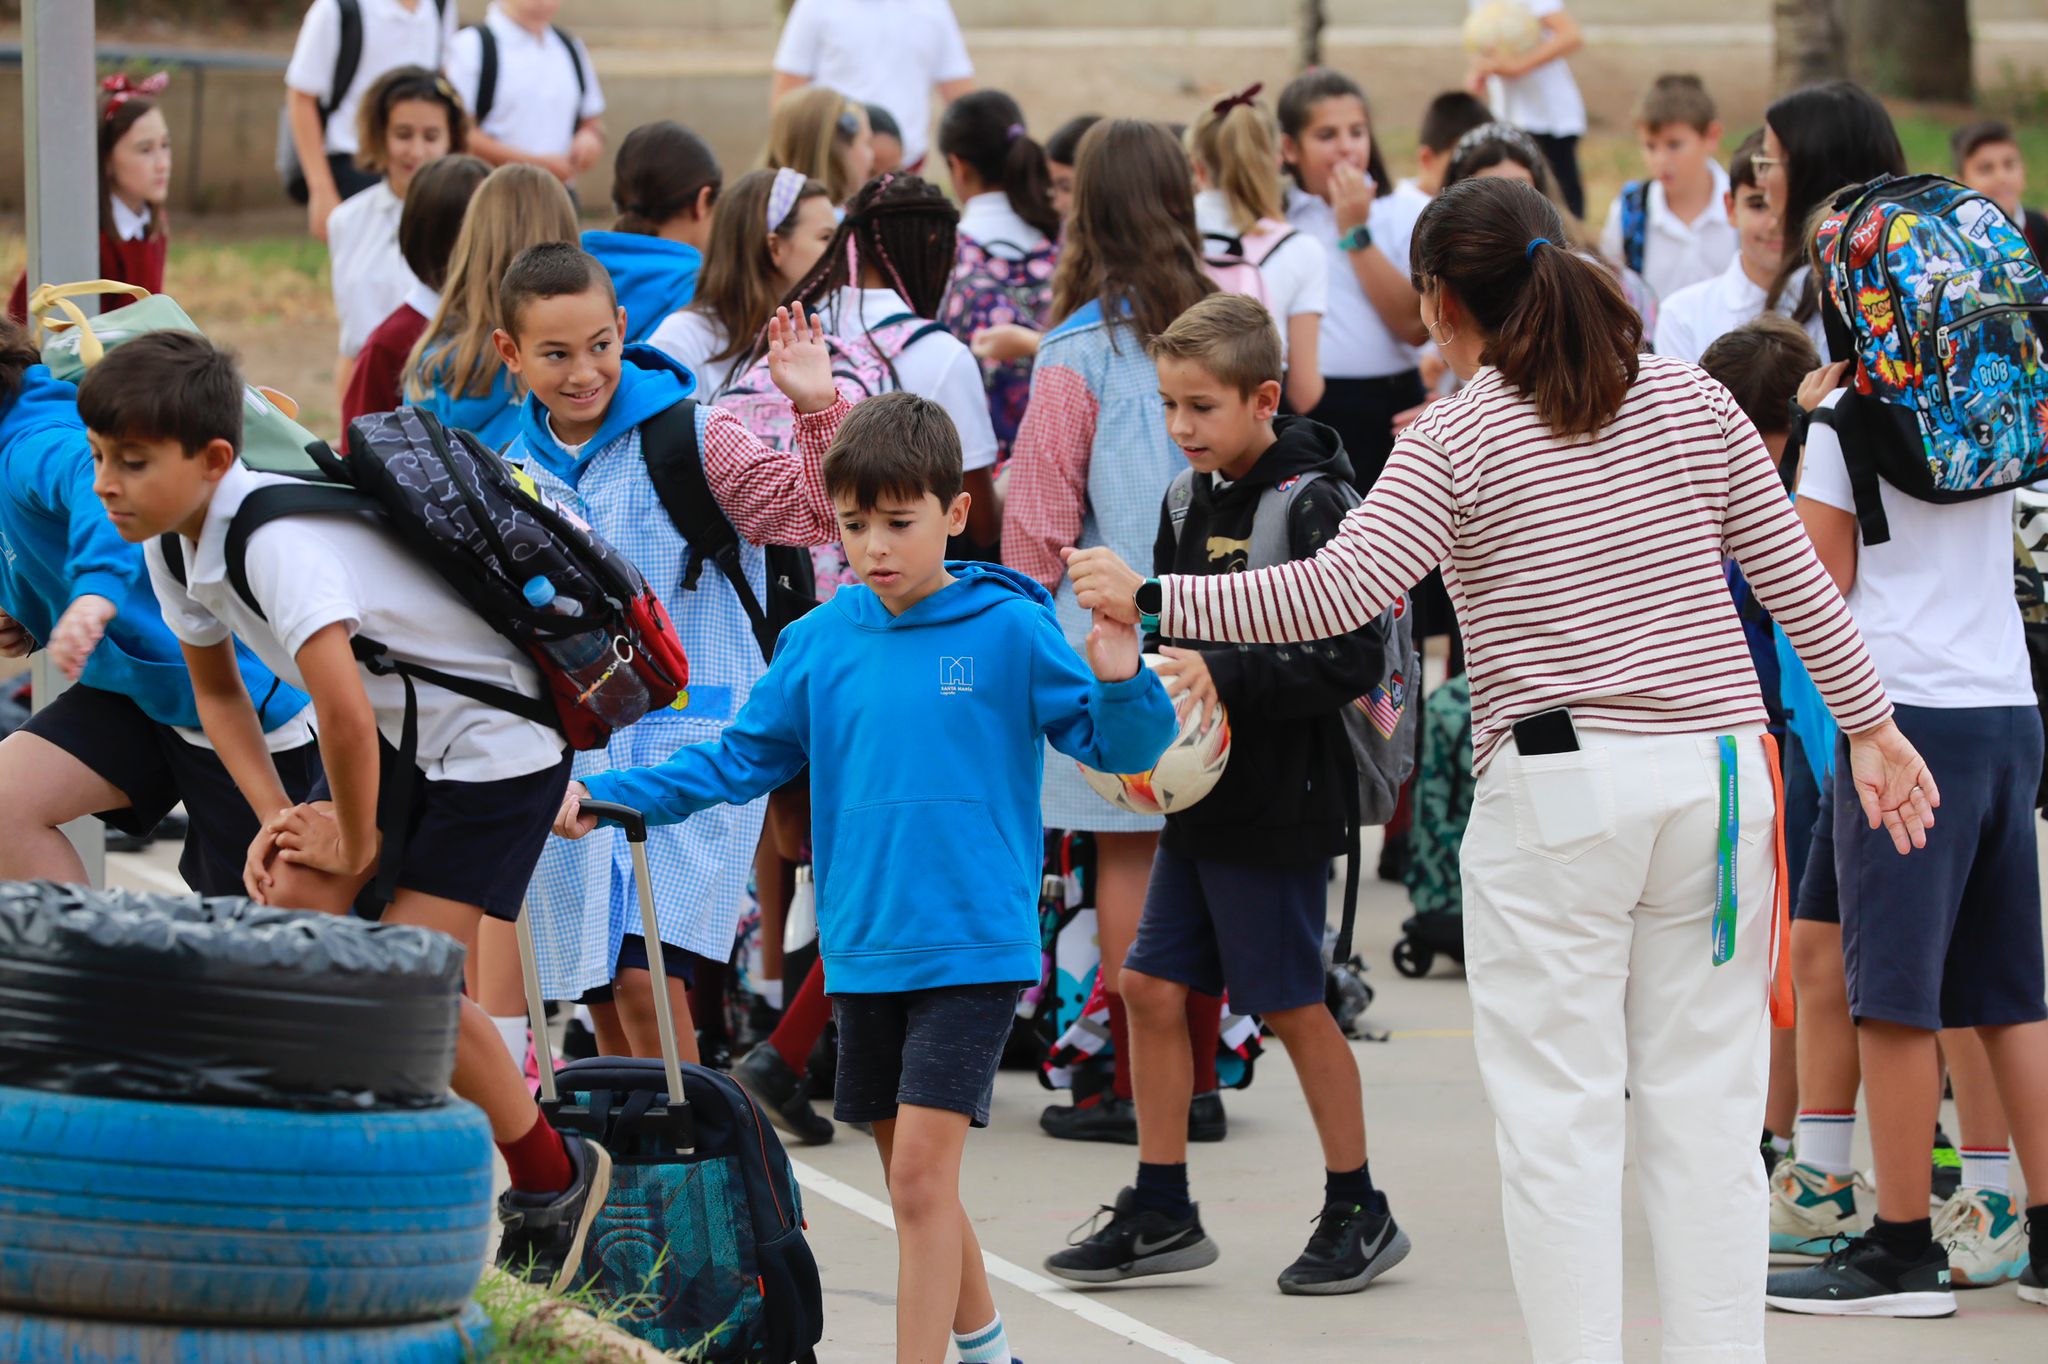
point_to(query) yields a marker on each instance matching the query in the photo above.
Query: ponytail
(1558, 327)
(662, 169)
(985, 129)
(1233, 143)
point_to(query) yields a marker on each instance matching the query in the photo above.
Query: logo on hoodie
(956, 675)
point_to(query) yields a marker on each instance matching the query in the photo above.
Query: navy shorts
(935, 1048)
(680, 963)
(156, 767)
(1950, 936)
(1819, 900)
(1255, 931)
(473, 842)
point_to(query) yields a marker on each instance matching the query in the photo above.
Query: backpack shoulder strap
(348, 55)
(1871, 520)
(576, 65)
(174, 555)
(486, 73)
(675, 465)
(1225, 243)
(1271, 544)
(265, 505)
(1180, 496)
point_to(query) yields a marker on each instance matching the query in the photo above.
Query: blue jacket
(57, 545)
(926, 737)
(653, 276)
(492, 418)
(650, 383)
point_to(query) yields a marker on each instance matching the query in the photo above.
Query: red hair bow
(119, 88)
(1244, 96)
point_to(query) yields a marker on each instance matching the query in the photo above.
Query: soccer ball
(1505, 29)
(1186, 772)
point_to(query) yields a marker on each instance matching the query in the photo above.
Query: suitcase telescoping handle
(635, 825)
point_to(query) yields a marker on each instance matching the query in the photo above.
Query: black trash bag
(124, 994)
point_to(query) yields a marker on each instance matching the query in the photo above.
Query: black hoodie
(1281, 799)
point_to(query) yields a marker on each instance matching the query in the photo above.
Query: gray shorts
(935, 1048)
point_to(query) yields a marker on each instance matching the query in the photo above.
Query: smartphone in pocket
(1547, 731)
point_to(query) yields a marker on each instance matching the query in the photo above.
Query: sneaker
(1132, 1244)
(1986, 1238)
(1947, 1175)
(2034, 1284)
(1863, 1279)
(1206, 1119)
(714, 1050)
(1349, 1249)
(1810, 1209)
(542, 1240)
(1108, 1118)
(782, 1095)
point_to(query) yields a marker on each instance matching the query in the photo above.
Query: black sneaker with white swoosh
(1351, 1246)
(1134, 1243)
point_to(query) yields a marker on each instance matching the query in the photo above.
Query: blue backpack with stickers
(1937, 297)
(1635, 223)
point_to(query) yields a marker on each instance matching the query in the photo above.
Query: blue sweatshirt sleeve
(1110, 726)
(760, 751)
(97, 561)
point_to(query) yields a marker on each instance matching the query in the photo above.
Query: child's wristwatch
(1151, 599)
(1357, 239)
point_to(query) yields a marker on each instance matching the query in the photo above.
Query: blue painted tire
(183, 1213)
(65, 1340)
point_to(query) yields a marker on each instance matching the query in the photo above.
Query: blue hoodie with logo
(653, 275)
(650, 383)
(57, 545)
(926, 737)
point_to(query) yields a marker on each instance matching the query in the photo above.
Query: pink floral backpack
(1001, 284)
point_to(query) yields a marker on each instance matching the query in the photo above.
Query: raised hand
(799, 360)
(1351, 194)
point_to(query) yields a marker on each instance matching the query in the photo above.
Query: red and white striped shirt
(1586, 572)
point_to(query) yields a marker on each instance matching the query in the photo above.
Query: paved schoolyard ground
(1432, 1149)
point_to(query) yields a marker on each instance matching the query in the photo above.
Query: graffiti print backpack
(1937, 296)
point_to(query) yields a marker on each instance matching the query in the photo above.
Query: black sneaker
(543, 1235)
(714, 1050)
(1348, 1250)
(1133, 1244)
(1206, 1119)
(1863, 1279)
(782, 1094)
(1108, 1118)
(2034, 1284)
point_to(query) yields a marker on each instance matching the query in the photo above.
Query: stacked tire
(226, 1136)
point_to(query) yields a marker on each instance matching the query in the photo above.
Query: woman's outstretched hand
(1104, 582)
(1894, 785)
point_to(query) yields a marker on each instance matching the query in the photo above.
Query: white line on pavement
(1066, 1299)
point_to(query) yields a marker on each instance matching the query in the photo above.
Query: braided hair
(904, 228)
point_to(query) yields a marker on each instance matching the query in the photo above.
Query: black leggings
(1563, 155)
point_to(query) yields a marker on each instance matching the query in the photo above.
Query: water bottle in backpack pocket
(596, 661)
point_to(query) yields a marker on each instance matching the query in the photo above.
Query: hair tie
(1015, 131)
(1529, 252)
(783, 194)
(1244, 96)
(119, 88)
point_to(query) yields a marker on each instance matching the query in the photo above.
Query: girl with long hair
(825, 135)
(665, 183)
(1581, 498)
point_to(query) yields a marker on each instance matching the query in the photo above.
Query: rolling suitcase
(701, 1241)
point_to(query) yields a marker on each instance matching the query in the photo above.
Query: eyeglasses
(1765, 165)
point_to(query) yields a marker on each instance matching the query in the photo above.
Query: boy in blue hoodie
(584, 436)
(923, 700)
(125, 743)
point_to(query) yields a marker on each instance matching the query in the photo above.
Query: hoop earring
(1442, 340)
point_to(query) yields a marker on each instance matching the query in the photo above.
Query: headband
(1506, 133)
(120, 88)
(783, 194)
(1244, 96)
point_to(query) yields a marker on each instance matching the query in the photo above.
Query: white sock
(1987, 1168)
(1781, 1146)
(1823, 1139)
(770, 992)
(512, 1031)
(989, 1345)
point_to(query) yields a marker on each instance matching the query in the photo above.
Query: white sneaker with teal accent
(1985, 1235)
(1811, 1208)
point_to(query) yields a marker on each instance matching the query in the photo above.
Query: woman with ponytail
(1002, 279)
(1580, 498)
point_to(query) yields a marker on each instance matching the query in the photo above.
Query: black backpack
(675, 465)
(348, 59)
(487, 75)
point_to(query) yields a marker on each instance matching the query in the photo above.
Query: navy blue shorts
(1255, 931)
(1950, 936)
(1819, 900)
(935, 1048)
(679, 962)
(156, 767)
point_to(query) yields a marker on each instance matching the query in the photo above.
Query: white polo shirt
(535, 107)
(1695, 317)
(1355, 343)
(369, 272)
(937, 366)
(393, 35)
(1678, 254)
(887, 52)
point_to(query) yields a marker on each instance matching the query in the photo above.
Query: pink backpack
(1235, 263)
(863, 363)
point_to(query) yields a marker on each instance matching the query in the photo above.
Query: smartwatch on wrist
(1151, 599)
(1357, 239)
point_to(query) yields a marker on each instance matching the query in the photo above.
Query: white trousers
(1590, 886)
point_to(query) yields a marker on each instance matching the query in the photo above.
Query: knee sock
(1780, 1146)
(1120, 1039)
(1353, 1187)
(707, 996)
(989, 1345)
(513, 1032)
(538, 1162)
(1163, 1189)
(1987, 1168)
(1905, 1240)
(1205, 1024)
(803, 1022)
(1822, 1139)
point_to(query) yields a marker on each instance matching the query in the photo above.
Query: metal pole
(63, 223)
